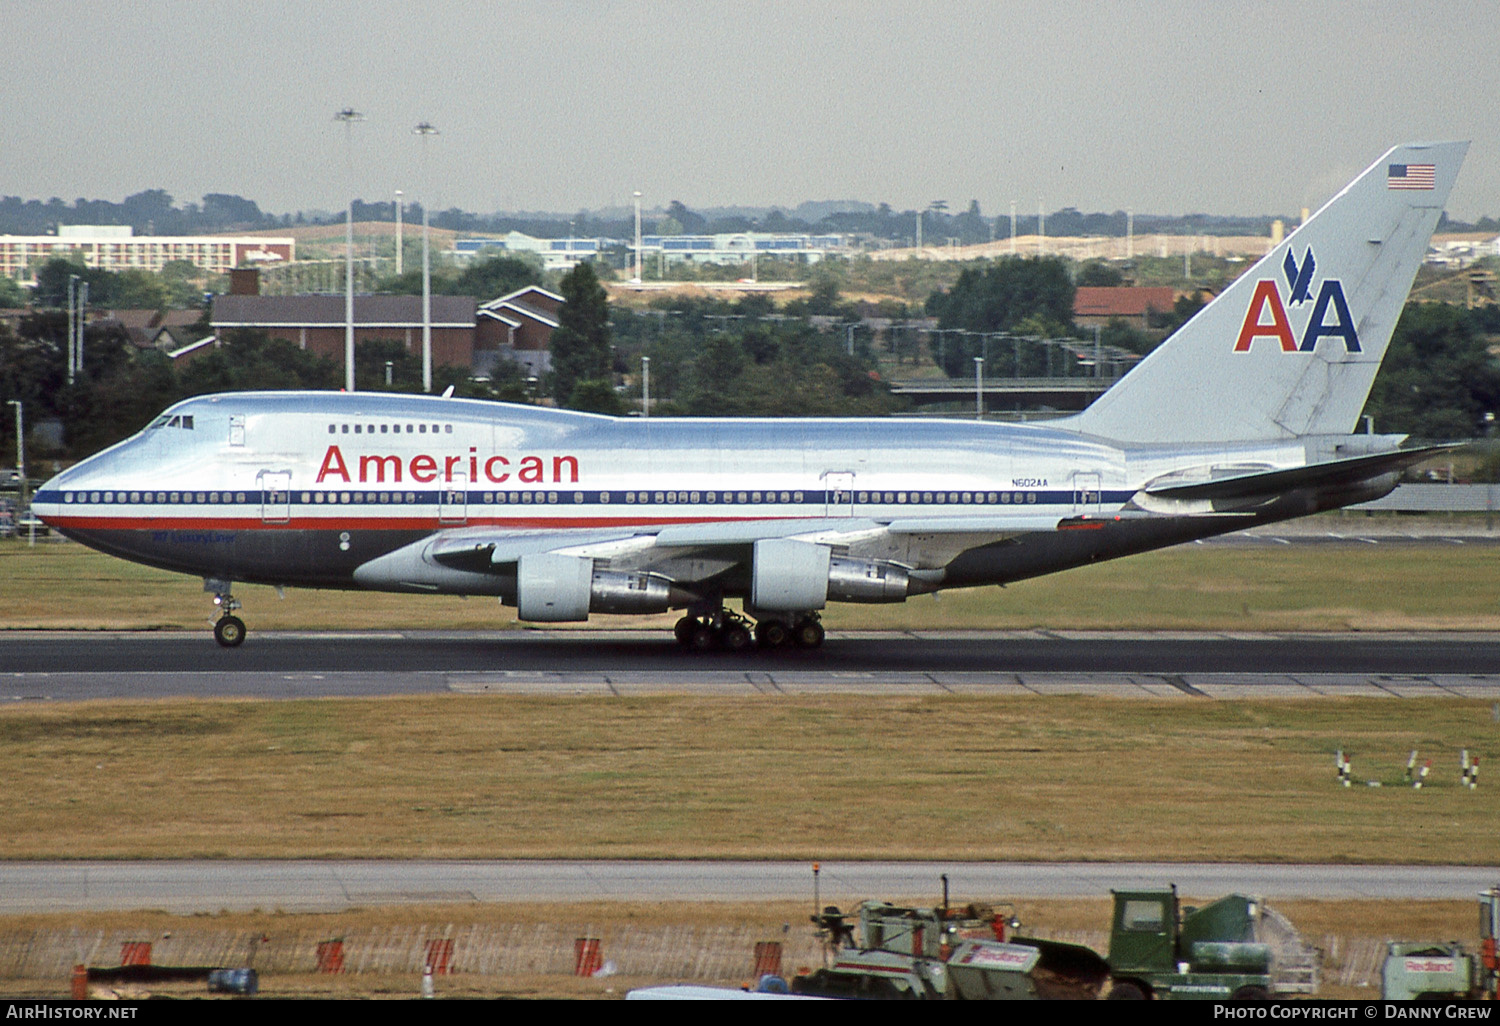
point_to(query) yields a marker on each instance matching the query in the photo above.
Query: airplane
(1245, 416)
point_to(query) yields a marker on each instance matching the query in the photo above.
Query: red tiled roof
(1121, 301)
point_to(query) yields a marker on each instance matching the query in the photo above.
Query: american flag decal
(1410, 176)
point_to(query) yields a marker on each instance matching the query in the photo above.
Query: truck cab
(1159, 949)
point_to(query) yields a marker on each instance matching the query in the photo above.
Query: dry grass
(1315, 587)
(765, 778)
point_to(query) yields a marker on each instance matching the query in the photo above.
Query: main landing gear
(229, 630)
(732, 632)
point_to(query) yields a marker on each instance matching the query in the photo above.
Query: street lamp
(978, 388)
(21, 464)
(348, 116)
(424, 130)
(645, 388)
(400, 238)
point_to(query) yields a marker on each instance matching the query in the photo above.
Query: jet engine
(553, 589)
(797, 576)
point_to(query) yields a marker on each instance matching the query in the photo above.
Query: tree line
(156, 212)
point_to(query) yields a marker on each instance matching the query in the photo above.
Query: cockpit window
(179, 421)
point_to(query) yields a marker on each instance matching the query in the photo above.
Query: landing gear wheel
(772, 634)
(704, 638)
(808, 634)
(229, 631)
(735, 638)
(1251, 992)
(685, 628)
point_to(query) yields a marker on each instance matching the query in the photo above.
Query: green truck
(1161, 950)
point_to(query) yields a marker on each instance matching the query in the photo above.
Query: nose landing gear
(229, 630)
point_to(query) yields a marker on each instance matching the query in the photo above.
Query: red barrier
(587, 959)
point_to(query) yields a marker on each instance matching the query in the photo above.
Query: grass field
(1194, 587)
(777, 777)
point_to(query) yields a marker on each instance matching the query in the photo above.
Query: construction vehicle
(1232, 949)
(1445, 970)
(1161, 950)
(945, 953)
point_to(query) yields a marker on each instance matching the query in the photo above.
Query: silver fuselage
(319, 489)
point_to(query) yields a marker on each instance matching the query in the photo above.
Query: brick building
(316, 323)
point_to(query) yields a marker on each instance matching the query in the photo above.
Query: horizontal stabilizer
(1274, 482)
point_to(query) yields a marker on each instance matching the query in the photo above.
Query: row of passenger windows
(526, 498)
(389, 429)
(164, 497)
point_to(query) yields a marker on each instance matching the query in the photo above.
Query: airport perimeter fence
(678, 953)
(686, 953)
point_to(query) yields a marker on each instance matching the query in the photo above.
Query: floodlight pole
(348, 116)
(72, 327)
(424, 130)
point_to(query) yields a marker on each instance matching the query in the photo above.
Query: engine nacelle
(797, 577)
(558, 589)
(789, 576)
(552, 588)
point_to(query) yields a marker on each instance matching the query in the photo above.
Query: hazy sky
(1228, 107)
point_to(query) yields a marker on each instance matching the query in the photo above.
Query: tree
(580, 342)
(596, 395)
(692, 224)
(1029, 295)
(1098, 273)
(489, 279)
(1438, 379)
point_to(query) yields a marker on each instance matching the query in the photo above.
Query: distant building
(1099, 304)
(316, 323)
(518, 326)
(556, 254)
(739, 247)
(165, 331)
(117, 248)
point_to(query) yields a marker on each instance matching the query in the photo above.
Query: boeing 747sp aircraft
(1243, 417)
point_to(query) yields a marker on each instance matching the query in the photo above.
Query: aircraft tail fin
(1291, 348)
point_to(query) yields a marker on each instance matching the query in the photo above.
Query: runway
(305, 886)
(55, 666)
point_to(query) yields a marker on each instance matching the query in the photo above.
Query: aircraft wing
(482, 549)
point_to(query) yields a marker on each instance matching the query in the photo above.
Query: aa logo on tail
(1267, 316)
